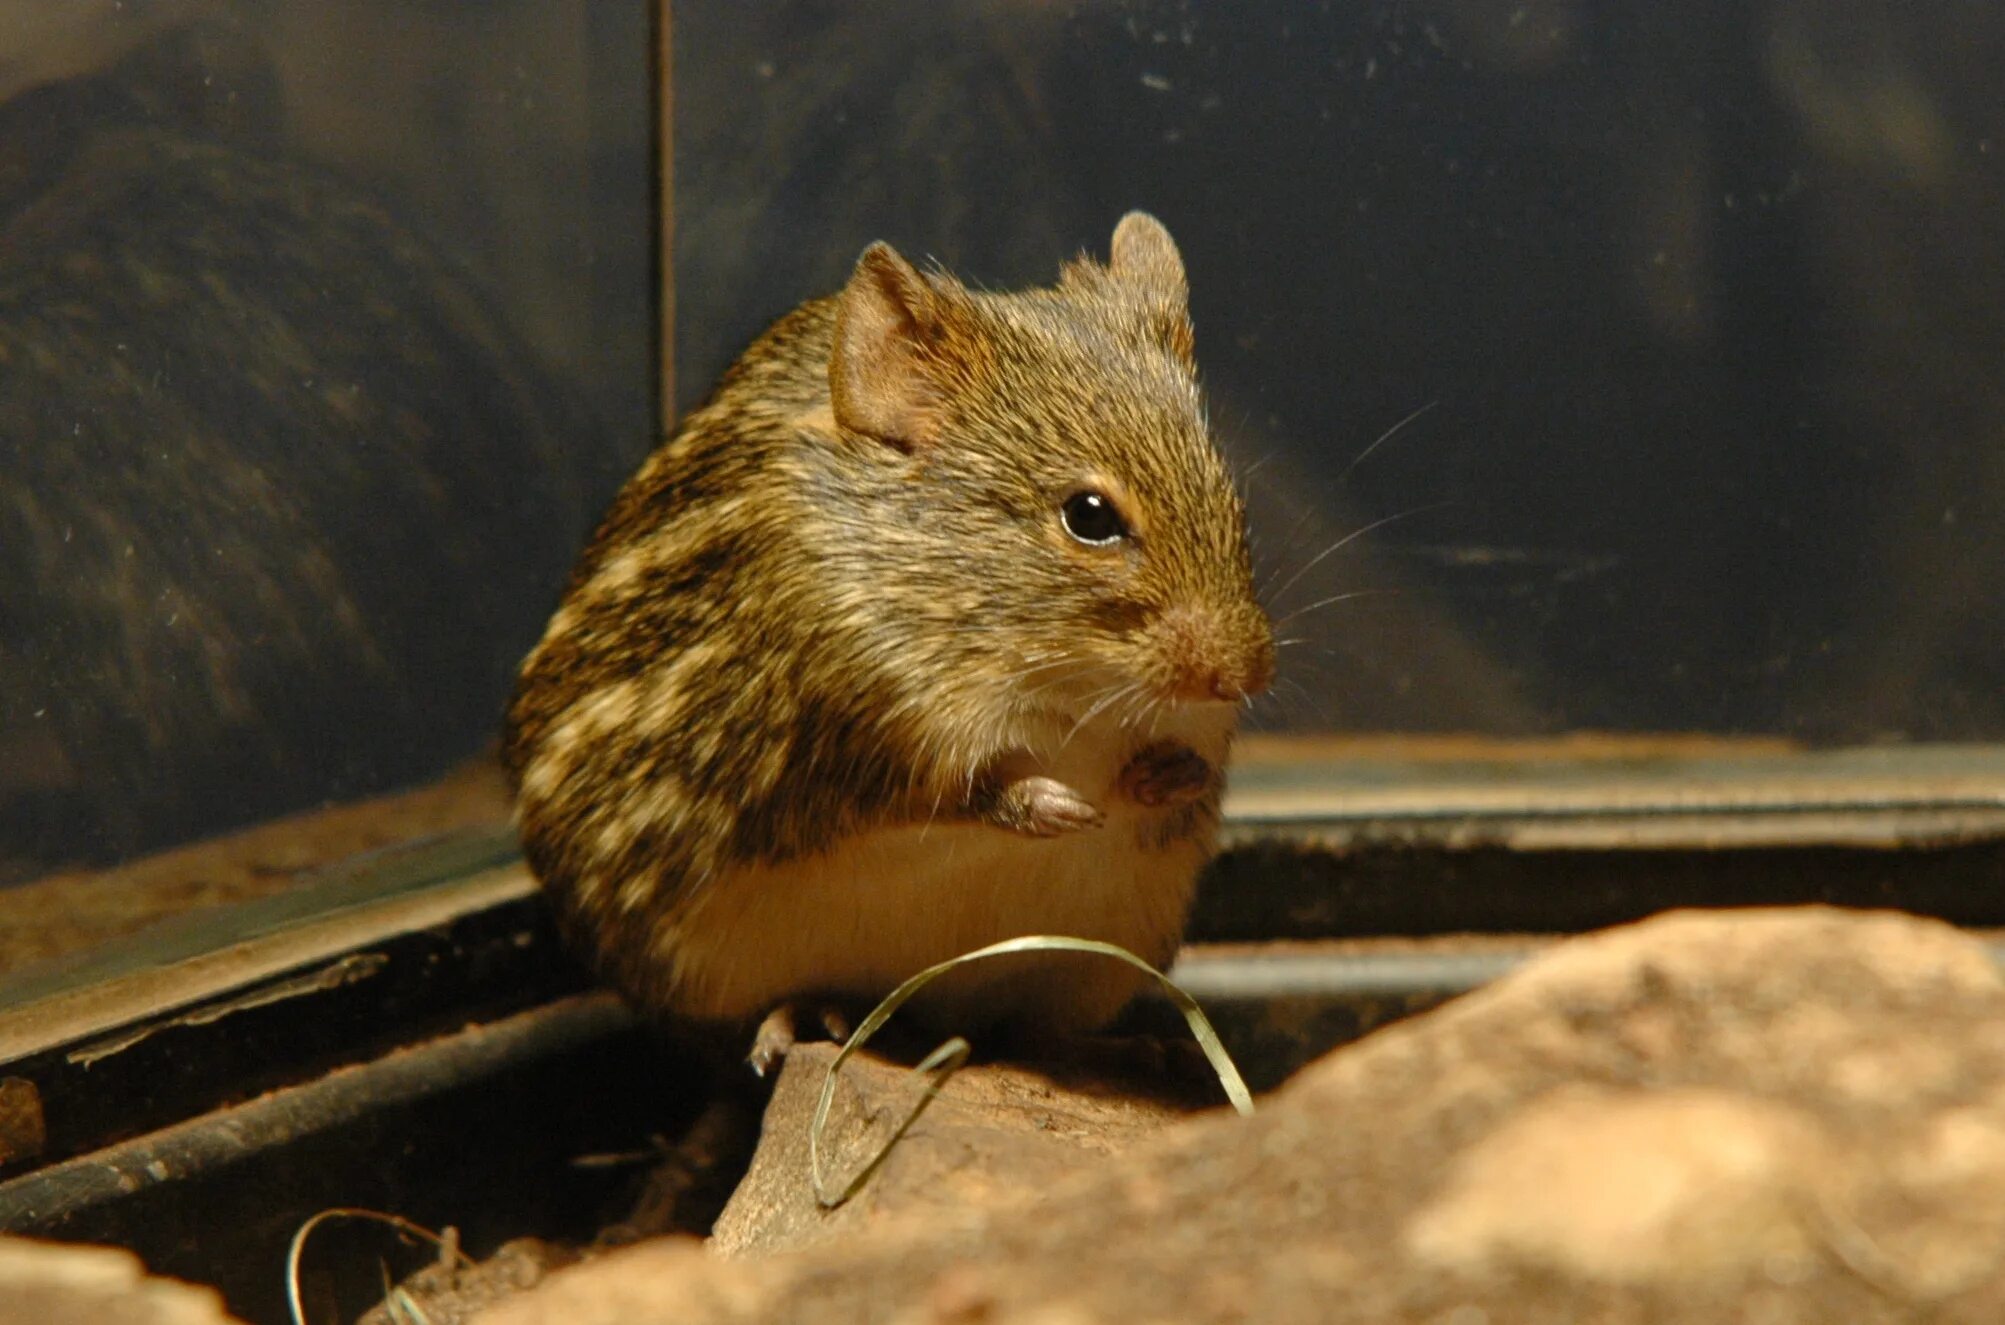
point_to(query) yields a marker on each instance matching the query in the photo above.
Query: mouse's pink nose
(1234, 684)
(1218, 657)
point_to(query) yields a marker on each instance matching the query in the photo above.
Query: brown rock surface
(50, 1283)
(998, 1131)
(448, 1292)
(1775, 1116)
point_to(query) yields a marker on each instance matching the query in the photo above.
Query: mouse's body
(895, 898)
(929, 630)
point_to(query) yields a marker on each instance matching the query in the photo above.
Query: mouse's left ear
(883, 369)
(1145, 259)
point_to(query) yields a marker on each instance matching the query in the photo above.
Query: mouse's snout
(1215, 655)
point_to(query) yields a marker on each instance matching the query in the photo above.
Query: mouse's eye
(1091, 518)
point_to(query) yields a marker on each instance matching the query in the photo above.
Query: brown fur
(841, 602)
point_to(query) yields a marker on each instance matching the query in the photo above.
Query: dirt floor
(71, 910)
(74, 910)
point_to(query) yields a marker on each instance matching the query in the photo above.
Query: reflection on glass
(1620, 367)
(1706, 298)
(323, 336)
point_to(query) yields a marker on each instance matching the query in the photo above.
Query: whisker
(1111, 697)
(1047, 686)
(1353, 537)
(1309, 513)
(979, 627)
(1306, 702)
(1035, 669)
(1142, 705)
(1383, 438)
(934, 814)
(1333, 598)
(1246, 475)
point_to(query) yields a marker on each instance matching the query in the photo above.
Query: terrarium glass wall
(325, 333)
(1621, 367)
(1704, 304)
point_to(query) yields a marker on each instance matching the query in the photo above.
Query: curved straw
(397, 1222)
(944, 1061)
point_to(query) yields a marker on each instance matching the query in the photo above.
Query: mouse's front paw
(1052, 808)
(1167, 773)
(780, 1032)
(1039, 806)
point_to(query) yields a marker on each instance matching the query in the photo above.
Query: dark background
(1706, 298)
(1704, 305)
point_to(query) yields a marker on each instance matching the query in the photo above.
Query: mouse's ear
(888, 320)
(1145, 259)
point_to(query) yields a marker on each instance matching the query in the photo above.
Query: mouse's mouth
(1139, 690)
(1136, 707)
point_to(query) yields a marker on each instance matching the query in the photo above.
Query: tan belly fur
(885, 904)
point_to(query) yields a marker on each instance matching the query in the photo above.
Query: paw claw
(774, 1038)
(1055, 808)
(780, 1032)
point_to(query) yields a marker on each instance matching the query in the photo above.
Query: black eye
(1091, 518)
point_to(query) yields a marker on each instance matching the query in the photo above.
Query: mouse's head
(1059, 502)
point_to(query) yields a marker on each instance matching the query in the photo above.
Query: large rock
(1754, 1115)
(49, 1283)
(998, 1131)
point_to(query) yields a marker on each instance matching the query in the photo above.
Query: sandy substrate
(73, 910)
